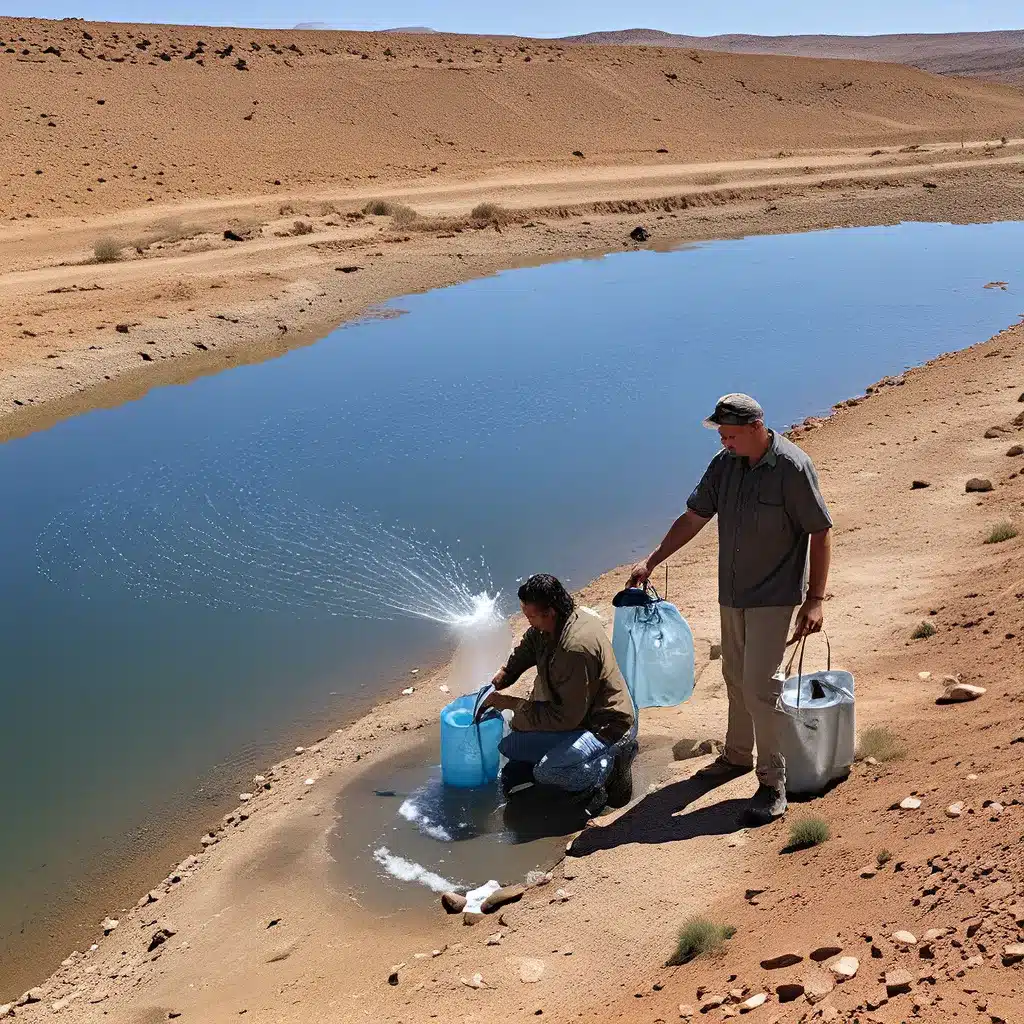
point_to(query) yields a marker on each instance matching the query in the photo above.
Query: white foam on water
(408, 871)
(411, 812)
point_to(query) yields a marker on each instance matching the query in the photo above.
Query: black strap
(802, 642)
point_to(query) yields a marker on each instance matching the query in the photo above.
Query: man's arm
(811, 616)
(523, 656)
(680, 533)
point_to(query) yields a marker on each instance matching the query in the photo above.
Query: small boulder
(868, 871)
(781, 960)
(845, 968)
(1014, 450)
(919, 485)
(898, 982)
(477, 981)
(712, 1003)
(753, 1002)
(994, 432)
(958, 693)
(934, 934)
(823, 953)
(108, 924)
(164, 931)
(817, 986)
(910, 803)
(716, 652)
(686, 1010)
(497, 900)
(788, 991)
(640, 234)
(978, 485)
(955, 810)
(33, 995)
(393, 976)
(904, 938)
(1013, 954)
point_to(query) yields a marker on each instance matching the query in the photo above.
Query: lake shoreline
(227, 325)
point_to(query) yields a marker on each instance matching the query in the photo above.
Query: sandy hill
(103, 117)
(993, 55)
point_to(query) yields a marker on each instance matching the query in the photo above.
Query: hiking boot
(516, 776)
(596, 801)
(724, 769)
(766, 805)
(620, 781)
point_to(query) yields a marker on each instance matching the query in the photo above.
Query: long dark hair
(546, 591)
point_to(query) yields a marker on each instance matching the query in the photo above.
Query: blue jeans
(574, 761)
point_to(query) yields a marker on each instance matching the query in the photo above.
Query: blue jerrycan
(469, 749)
(653, 645)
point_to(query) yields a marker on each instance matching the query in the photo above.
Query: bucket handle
(802, 642)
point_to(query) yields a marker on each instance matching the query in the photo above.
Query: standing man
(764, 490)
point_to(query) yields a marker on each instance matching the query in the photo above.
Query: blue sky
(556, 17)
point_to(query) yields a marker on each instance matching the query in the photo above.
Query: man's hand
(500, 702)
(639, 574)
(809, 619)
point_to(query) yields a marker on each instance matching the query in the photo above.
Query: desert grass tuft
(700, 937)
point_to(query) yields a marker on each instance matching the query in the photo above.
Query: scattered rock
(919, 485)
(408, 691)
(477, 981)
(934, 934)
(868, 871)
(957, 693)
(161, 935)
(955, 810)
(562, 896)
(904, 938)
(753, 1002)
(776, 963)
(685, 1010)
(898, 981)
(640, 234)
(788, 991)
(347, 270)
(231, 235)
(712, 1003)
(716, 652)
(536, 878)
(471, 917)
(845, 967)
(817, 986)
(994, 432)
(978, 485)
(531, 970)
(495, 939)
(33, 995)
(209, 839)
(877, 999)
(507, 894)
(300, 750)
(1013, 954)
(108, 924)
(910, 803)
(7, 1008)
(121, 328)
(825, 953)
(245, 797)
(393, 976)
(1015, 450)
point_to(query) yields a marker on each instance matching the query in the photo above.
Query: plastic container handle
(800, 667)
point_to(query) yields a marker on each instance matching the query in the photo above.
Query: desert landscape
(183, 198)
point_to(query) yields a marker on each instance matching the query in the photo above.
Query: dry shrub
(808, 832)
(700, 937)
(106, 250)
(328, 209)
(492, 213)
(285, 210)
(709, 179)
(399, 213)
(181, 290)
(881, 743)
(1001, 532)
(301, 227)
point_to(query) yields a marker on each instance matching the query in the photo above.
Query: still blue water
(544, 419)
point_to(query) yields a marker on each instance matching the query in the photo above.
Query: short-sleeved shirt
(766, 513)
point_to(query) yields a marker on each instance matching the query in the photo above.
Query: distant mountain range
(325, 26)
(992, 55)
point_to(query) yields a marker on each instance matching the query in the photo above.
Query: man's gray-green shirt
(766, 513)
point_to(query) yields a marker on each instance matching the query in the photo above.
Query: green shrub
(106, 250)
(883, 858)
(881, 743)
(700, 937)
(923, 631)
(399, 213)
(808, 832)
(1000, 532)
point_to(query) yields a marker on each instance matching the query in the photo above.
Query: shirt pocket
(771, 507)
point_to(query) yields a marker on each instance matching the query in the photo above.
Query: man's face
(543, 619)
(745, 440)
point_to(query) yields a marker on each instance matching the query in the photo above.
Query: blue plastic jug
(469, 750)
(653, 645)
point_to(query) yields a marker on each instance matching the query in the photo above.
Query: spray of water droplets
(237, 540)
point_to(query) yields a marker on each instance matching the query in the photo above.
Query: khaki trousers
(753, 645)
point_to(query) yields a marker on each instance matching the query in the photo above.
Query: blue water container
(469, 751)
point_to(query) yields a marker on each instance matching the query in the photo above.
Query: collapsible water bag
(817, 727)
(653, 645)
(469, 748)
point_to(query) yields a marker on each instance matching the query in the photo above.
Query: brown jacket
(578, 685)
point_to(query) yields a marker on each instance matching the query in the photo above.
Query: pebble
(972, 777)
(957, 693)
(408, 691)
(245, 797)
(846, 967)
(924, 676)
(910, 803)
(753, 1002)
(712, 1003)
(531, 971)
(108, 924)
(995, 807)
(309, 782)
(477, 981)
(955, 810)
(904, 938)
(33, 995)
(445, 689)
(868, 871)
(934, 934)
(300, 750)
(393, 976)
(5, 1009)
(495, 939)
(562, 896)
(258, 780)
(685, 1010)
(825, 953)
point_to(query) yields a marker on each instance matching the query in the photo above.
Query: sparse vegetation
(883, 858)
(700, 937)
(399, 213)
(285, 210)
(881, 743)
(327, 209)
(923, 631)
(708, 179)
(106, 250)
(1000, 532)
(491, 212)
(808, 832)
(302, 227)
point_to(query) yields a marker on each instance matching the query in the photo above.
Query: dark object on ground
(919, 485)
(620, 782)
(121, 328)
(767, 804)
(348, 270)
(233, 236)
(640, 234)
(579, 153)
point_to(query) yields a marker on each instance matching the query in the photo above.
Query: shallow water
(181, 573)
